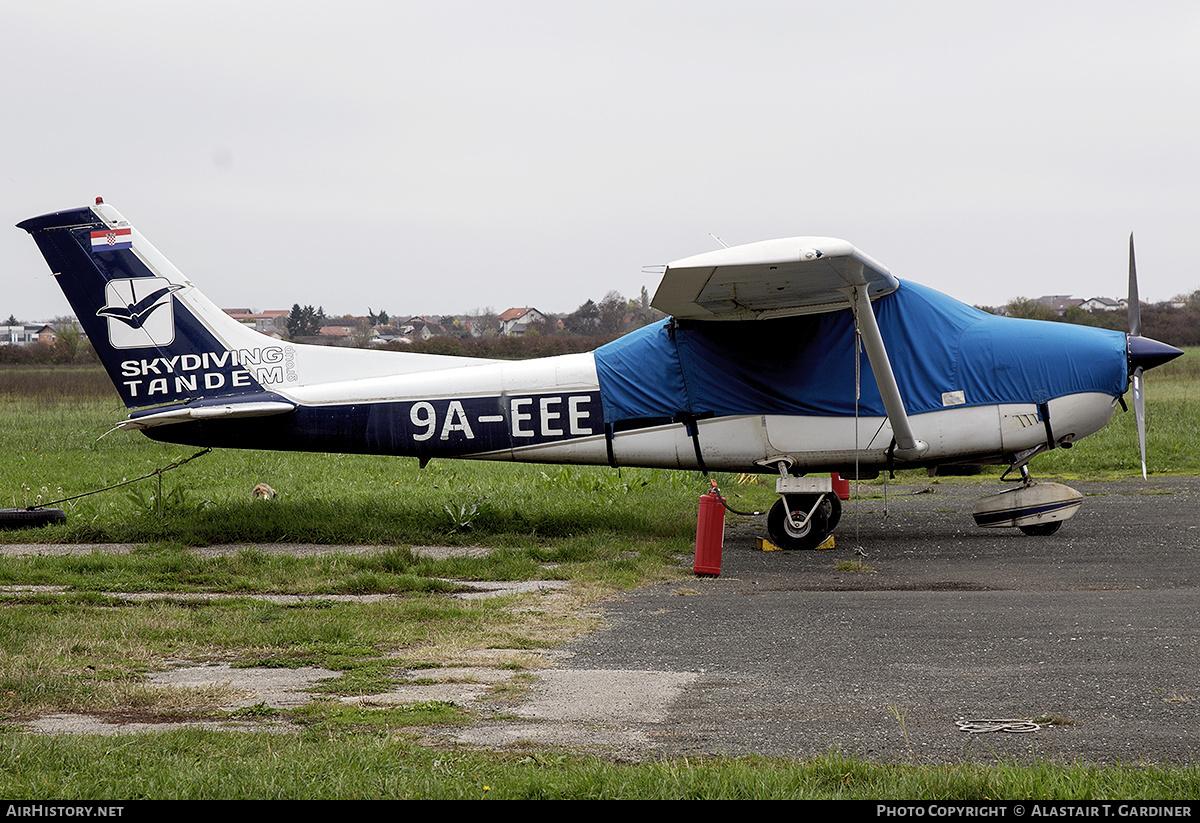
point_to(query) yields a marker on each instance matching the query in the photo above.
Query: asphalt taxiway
(1094, 632)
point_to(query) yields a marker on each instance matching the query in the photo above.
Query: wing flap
(772, 278)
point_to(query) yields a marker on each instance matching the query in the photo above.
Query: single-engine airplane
(760, 368)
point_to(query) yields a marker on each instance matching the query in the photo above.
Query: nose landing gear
(1037, 509)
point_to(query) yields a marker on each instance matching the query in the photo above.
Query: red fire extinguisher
(710, 534)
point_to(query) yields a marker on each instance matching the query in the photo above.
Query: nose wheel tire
(1042, 529)
(783, 532)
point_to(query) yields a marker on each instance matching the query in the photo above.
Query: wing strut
(907, 445)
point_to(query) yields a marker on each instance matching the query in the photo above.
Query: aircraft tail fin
(161, 340)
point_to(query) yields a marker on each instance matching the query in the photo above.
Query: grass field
(80, 649)
(54, 437)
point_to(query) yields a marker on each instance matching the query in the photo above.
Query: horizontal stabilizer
(773, 278)
(207, 411)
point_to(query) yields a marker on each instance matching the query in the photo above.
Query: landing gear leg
(1037, 529)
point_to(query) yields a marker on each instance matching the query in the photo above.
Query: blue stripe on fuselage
(437, 427)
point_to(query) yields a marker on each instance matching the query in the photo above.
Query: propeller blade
(1139, 414)
(1135, 306)
(1144, 353)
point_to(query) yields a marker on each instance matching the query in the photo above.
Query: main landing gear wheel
(835, 510)
(813, 533)
(30, 518)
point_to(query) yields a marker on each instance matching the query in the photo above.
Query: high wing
(785, 278)
(772, 278)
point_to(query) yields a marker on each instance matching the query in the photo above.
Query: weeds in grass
(158, 503)
(338, 718)
(902, 718)
(463, 515)
(259, 711)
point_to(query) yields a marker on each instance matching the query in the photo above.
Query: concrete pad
(608, 695)
(486, 588)
(460, 694)
(277, 688)
(619, 710)
(89, 724)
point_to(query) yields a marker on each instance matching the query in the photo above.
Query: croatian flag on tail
(112, 240)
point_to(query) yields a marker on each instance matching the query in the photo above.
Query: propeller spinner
(1144, 353)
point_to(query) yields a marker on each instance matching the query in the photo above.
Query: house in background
(336, 334)
(421, 328)
(272, 322)
(27, 333)
(1103, 304)
(14, 335)
(516, 321)
(1059, 302)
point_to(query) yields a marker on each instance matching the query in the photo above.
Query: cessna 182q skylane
(757, 370)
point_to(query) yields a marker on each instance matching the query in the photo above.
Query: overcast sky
(442, 157)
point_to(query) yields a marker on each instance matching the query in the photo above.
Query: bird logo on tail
(132, 310)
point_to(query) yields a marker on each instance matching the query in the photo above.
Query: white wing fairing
(759, 368)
